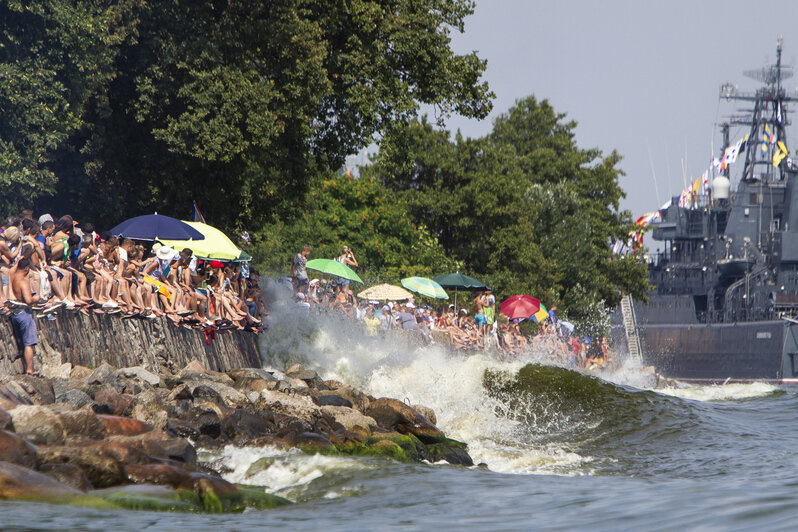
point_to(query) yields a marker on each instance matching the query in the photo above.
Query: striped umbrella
(385, 292)
(425, 287)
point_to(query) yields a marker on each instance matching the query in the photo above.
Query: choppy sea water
(563, 450)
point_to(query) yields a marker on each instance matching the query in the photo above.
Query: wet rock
(101, 465)
(38, 424)
(67, 474)
(358, 399)
(395, 415)
(426, 412)
(310, 441)
(117, 403)
(251, 373)
(180, 450)
(82, 424)
(450, 451)
(244, 425)
(124, 426)
(5, 420)
(161, 474)
(297, 371)
(332, 400)
(349, 417)
(73, 398)
(140, 373)
(17, 482)
(15, 449)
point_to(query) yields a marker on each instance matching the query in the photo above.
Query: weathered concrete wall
(89, 340)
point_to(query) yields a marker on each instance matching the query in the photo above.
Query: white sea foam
(720, 392)
(289, 473)
(449, 383)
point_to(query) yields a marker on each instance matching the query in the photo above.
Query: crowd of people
(48, 264)
(486, 328)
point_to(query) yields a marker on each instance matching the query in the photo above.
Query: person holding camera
(347, 258)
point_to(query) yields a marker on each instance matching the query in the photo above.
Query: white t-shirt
(122, 254)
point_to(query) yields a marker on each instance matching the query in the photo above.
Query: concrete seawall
(89, 340)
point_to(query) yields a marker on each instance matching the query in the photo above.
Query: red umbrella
(520, 306)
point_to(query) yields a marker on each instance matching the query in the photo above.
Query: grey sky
(635, 75)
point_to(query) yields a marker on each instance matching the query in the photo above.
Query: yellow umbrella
(385, 292)
(216, 245)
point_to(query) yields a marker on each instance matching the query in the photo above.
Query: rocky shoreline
(128, 438)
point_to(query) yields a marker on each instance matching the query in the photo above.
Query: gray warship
(724, 304)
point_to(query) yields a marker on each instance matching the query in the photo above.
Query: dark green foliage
(123, 107)
(524, 208)
(366, 216)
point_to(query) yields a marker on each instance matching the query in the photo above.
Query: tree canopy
(156, 103)
(524, 208)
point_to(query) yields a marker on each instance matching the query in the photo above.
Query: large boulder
(297, 371)
(101, 465)
(17, 482)
(82, 424)
(393, 414)
(244, 425)
(141, 374)
(38, 424)
(332, 400)
(14, 448)
(39, 390)
(351, 419)
(104, 375)
(73, 398)
(117, 403)
(124, 426)
(68, 474)
(160, 474)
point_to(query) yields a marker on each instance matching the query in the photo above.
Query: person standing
(298, 271)
(346, 258)
(22, 320)
(479, 318)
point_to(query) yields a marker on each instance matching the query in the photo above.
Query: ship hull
(739, 352)
(678, 346)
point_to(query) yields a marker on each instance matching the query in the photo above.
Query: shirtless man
(22, 320)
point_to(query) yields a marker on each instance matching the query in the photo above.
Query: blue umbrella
(155, 227)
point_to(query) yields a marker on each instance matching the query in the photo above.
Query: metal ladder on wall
(630, 325)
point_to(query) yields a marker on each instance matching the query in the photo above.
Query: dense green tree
(524, 207)
(224, 101)
(54, 55)
(360, 213)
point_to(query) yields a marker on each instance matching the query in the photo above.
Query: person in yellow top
(372, 322)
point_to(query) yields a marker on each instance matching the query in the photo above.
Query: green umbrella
(333, 267)
(424, 286)
(458, 281)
